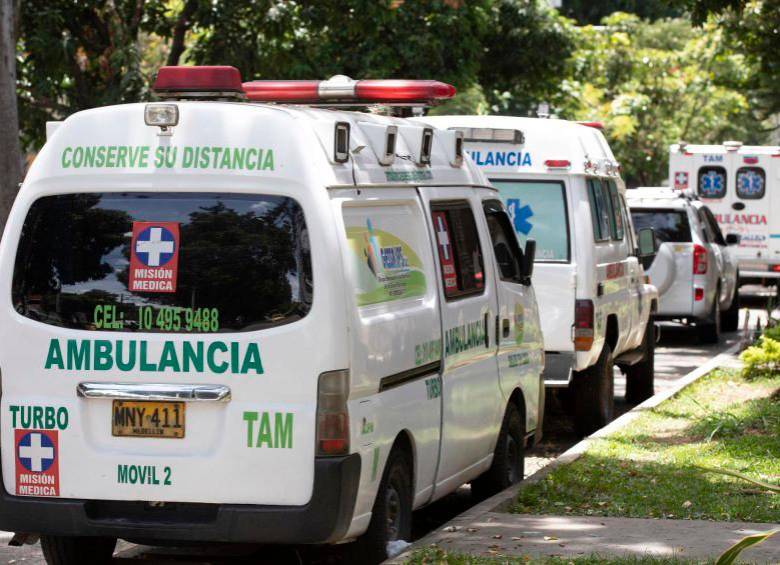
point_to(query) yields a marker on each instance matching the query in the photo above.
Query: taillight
(775, 268)
(583, 325)
(699, 260)
(698, 294)
(332, 415)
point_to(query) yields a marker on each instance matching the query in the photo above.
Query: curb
(501, 501)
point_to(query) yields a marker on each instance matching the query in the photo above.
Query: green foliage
(731, 554)
(655, 83)
(592, 12)
(762, 359)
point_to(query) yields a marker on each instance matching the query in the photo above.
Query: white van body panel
(358, 321)
(738, 209)
(606, 272)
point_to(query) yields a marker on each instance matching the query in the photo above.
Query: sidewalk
(497, 533)
(488, 530)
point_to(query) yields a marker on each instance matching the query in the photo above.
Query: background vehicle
(741, 185)
(695, 270)
(562, 187)
(257, 323)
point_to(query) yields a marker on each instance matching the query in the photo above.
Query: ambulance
(224, 318)
(741, 185)
(562, 187)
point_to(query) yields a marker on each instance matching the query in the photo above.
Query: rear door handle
(154, 391)
(505, 327)
(486, 321)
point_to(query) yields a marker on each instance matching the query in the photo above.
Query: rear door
(750, 216)
(538, 209)
(471, 396)
(163, 331)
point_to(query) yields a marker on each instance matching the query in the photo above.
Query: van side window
(600, 210)
(712, 182)
(462, 266)
(618, 229)
(751, 183)
(507, 252)
(712, 226)
(627, 223)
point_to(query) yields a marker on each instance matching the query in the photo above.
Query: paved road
(677, 353)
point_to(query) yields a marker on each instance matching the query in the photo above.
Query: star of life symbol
(36, 452)
(712, 183)
(155, 246)
(520, 216)
(444, 237)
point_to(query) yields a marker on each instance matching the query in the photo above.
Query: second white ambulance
(245, 322)
(562, 187)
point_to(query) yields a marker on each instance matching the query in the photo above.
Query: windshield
(538, 211)
(671, 226)
(160, 262)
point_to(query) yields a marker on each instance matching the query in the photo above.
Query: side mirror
(648, 246)
(733, 239)
(529, 254)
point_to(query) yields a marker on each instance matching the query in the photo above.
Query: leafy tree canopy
(593, 11)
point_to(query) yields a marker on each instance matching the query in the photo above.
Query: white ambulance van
(741, 185)
(562, 187)
(252, 322)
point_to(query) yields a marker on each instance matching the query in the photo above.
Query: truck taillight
(775, 268)
(332, 414)
(699, 260)
(583, 325)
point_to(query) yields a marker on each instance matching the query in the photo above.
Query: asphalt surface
(677, 353)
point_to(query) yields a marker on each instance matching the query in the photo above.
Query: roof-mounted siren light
(593, 124)
(382, 139)
(492, 135)
(732, 145)
(201, 83)
(419, 140)
(557, 164)
(342, 90)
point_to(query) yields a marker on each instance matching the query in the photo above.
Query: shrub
(763, 359)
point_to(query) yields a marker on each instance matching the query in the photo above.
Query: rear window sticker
(154, 257)
(37, 466)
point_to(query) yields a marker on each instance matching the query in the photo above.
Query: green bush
(763, 359)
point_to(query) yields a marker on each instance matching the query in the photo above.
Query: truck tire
(594, 394)
(640, 378)
(729, 320)
(66, 550)
(391, 517)
(709, 329)
(508, 467)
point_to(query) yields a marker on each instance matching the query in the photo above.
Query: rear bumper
(325, 518)
(746, 274)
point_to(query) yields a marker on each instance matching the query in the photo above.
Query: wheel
(709, 330)
(640, 378)
(594, 394)
(508, 466)
(391, 517)
(729, 320)
(65, 550)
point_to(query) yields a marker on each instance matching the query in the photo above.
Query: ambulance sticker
(37, 467)
(680, 180)
(154, 257)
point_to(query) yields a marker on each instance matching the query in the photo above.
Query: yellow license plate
(148, 419)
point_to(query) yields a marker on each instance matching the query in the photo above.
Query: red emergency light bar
(595, 125)
(209, 80)
(344, 90)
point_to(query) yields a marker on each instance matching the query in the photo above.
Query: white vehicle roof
(544, 140)
(725, 147)
(300, 138)
(656, 196)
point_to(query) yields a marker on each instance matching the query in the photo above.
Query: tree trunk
(10, 151)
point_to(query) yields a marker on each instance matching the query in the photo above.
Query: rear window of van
(671, 226)
(164, 262)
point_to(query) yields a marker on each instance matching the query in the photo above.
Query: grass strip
(436, 555)
(652, 467)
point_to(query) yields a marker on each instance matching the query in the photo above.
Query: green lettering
(252, 360)
(89, 156)
(188, 157)
(14, 410)
(103, 359)
(143, 160)
(264, 433)
(78, 355)
(145, 365)
(48, 416)
(121, 364)
(121, 156)
(226, 162)
(238, 157)
(193, 356)
(66, 159)
(100, 156)
(111, 156)
(250, 418)
(121, 475)
(169, 358)
(213, 348)
(62, 418)
(37, 418)
(268, 164)
(251, 159)
(54, 356)
(283, 430)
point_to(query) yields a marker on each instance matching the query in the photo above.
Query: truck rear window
(160, 262)
(671, 226)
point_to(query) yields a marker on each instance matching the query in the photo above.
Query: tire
(640, 378)
(65, 550)
(594, 394)
(729, 320)
(709, 330)
(508, 466)
(391, 517)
